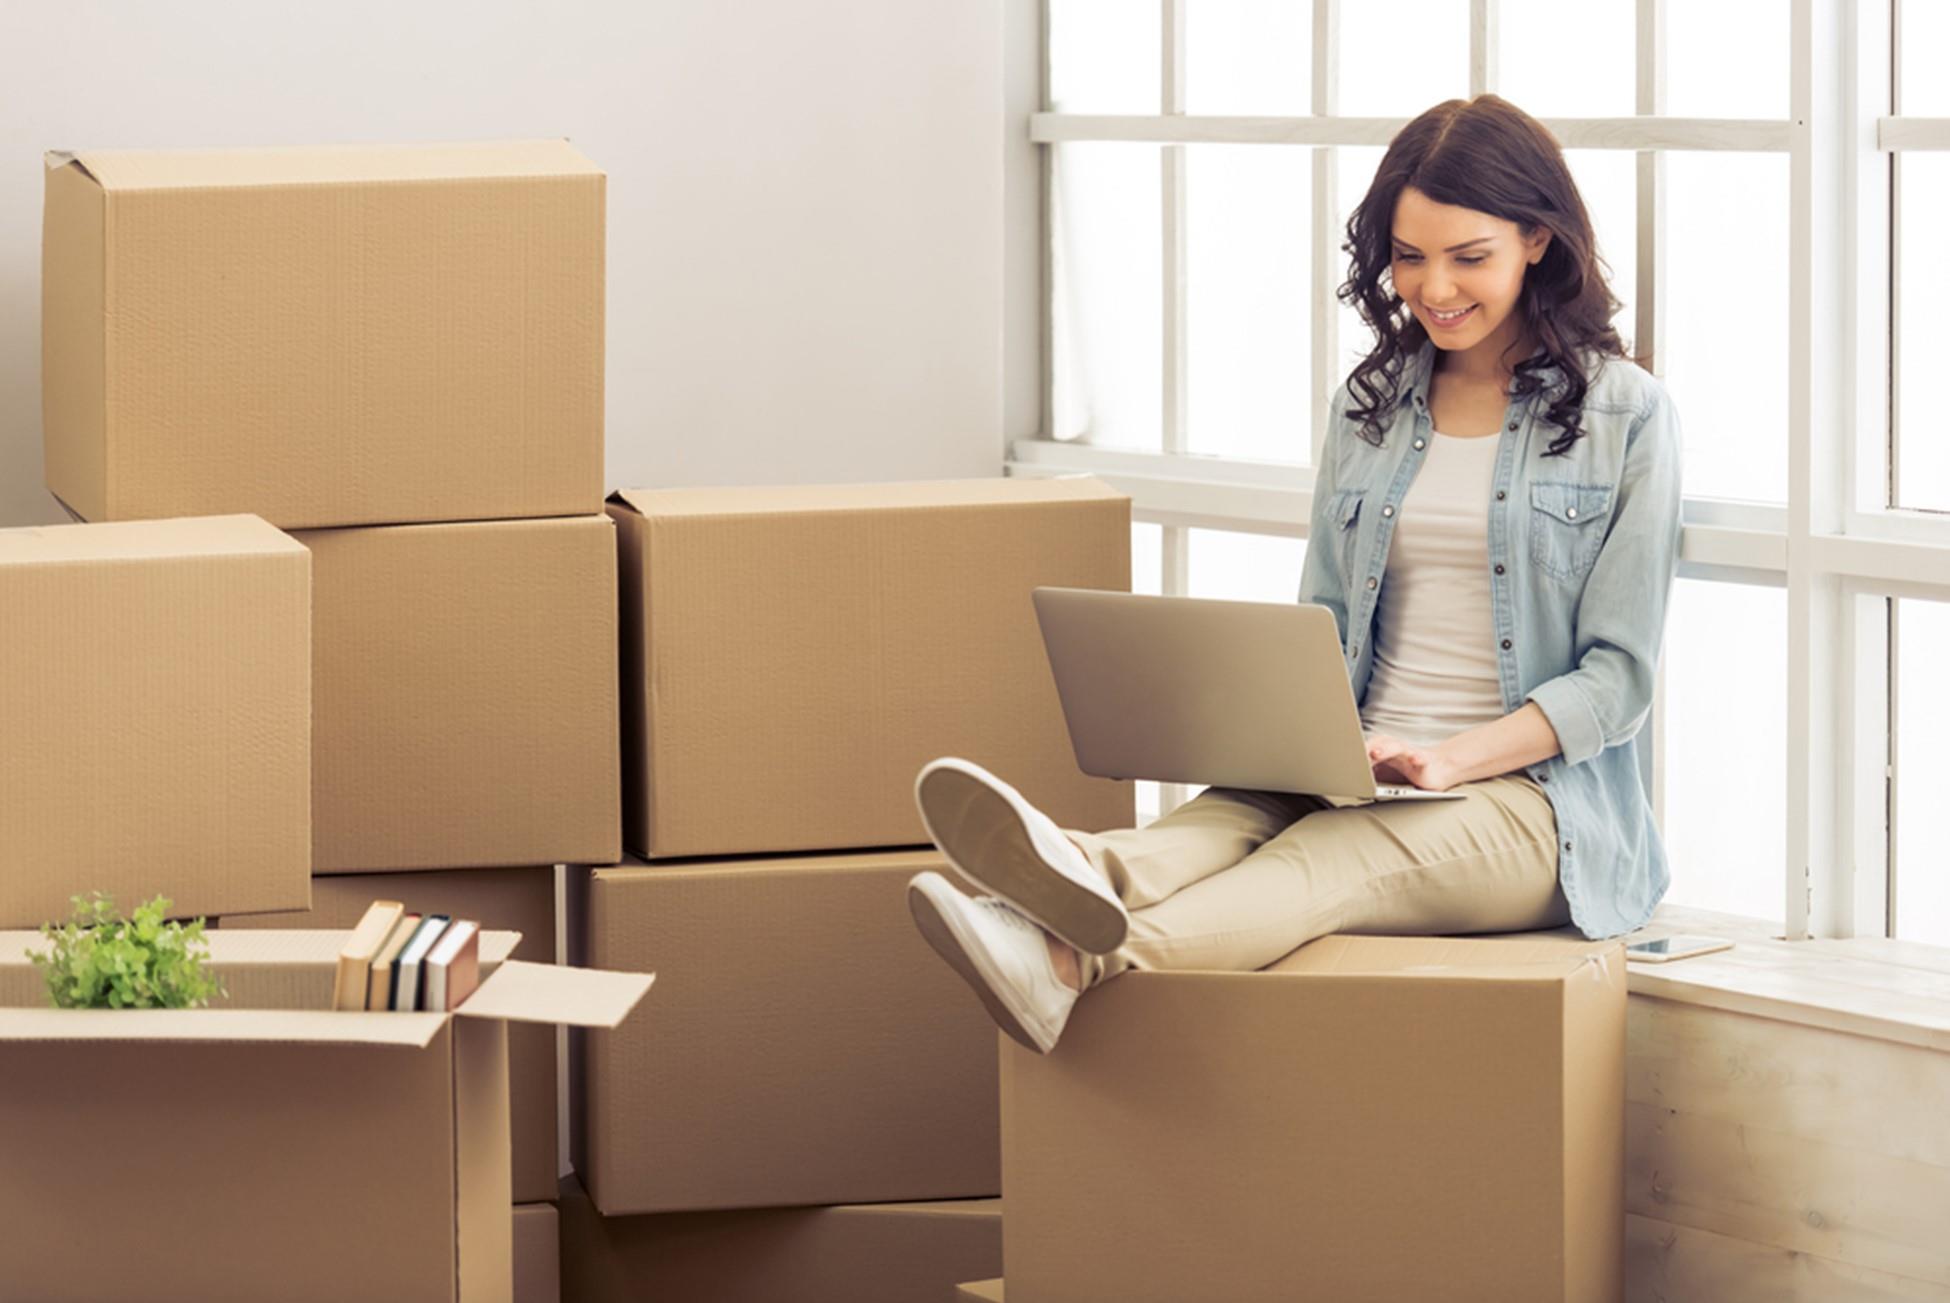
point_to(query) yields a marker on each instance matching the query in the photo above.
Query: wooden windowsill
(1868, 986)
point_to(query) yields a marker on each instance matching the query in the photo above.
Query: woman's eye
(1471, 262)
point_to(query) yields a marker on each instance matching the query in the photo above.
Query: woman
(1495, 527)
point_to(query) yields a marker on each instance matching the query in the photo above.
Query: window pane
(1922, 773)
(1248, 254)
(1727, 59)
(1403, 57)
(1534, 73)
(1725, 747)
(1243, 567)
(1249, 56)
(1607, 179)
(1922, 332)
(1725, 360)
(1924, 93)
(1106, 305)
(1104, 56)
(1147, 557)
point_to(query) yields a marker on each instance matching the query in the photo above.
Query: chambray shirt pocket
(1567, 526)
(1344, 509)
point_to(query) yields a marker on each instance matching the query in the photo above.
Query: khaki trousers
(1235, 879)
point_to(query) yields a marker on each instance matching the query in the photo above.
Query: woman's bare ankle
(1063, 958)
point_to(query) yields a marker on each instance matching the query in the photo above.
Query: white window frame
(1836, 547)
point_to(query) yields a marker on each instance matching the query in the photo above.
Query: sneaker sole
(944, 932)
(979, 827)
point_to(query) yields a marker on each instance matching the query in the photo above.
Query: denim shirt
(1582, 552)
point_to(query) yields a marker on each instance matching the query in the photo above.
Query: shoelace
(1008, 915)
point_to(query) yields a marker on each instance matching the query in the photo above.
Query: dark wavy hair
(1487, 154)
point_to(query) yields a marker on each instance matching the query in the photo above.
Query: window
(1769, 222)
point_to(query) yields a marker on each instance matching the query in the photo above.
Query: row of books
(396, 960)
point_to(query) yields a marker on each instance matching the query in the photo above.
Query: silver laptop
(1198, 690)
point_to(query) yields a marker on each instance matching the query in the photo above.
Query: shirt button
(1567, 846)
(1371, 582)
(1388, 511)
(1543, 778)
(1506, 641)
(1513, 425)
(1499, 567)
(1499, 495)
(1420, 444)
(1570, 513)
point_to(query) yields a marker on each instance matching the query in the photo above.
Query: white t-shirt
(1435, 645)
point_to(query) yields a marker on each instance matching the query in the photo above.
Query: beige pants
(1234, 879)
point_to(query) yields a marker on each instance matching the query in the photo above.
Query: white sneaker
(999, 953)
(1003, 844)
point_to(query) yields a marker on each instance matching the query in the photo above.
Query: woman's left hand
(1399, 762)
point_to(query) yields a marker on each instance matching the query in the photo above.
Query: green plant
(103, 961)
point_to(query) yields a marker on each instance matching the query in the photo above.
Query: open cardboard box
(269, 1148)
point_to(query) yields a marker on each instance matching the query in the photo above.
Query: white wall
(806, 201)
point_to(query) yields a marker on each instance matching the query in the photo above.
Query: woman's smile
(1449, 321)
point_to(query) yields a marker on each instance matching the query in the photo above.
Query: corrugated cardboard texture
(230, 1171)
(155, 706)
(465, 695)
(1393, 1118)
(538, 1272)
(807, 1046)
(325, 336)
(793, 655)
(879, 1253)
(516, 900)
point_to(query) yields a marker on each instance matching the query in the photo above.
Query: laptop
(1203, 691)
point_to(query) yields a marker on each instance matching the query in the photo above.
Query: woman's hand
(1407, 763)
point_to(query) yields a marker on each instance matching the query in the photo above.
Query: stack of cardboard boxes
(813, 1113)
(396, 355)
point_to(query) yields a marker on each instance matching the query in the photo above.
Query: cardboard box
(512, 900)
(818, 644)
(1371, 1118)
(861, 1253)
(324, 336)
(980, 1291)
(155, 717)
(464, 695)
(811, 1050)
(270, 1149)
(538, 1262)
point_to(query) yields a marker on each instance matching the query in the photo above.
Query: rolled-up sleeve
(1621, 615)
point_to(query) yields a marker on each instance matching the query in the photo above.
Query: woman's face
(1450, 260)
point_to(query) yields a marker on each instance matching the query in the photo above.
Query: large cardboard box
(538, 1263)
(324, 336)
(155, 717)
(464, 695)
(1369, 1119)
(861, 1253)
(272, 1148)
(793, 655)
(808, 1048)
(510, 900)
(980, 1291)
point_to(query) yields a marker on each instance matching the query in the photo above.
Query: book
(379, 989)
(453, 966)
(355, 957)
(406, 969)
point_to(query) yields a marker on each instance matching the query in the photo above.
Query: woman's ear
(1536, 243)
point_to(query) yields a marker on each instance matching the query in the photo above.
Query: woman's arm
(1518, 740)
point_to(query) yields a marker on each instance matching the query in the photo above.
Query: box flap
(145, 540)
(294, 1026)
(550, 993)
(896, 495)
(190, 169)
(1503, 957)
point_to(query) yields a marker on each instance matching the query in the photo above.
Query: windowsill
(1867, 986)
